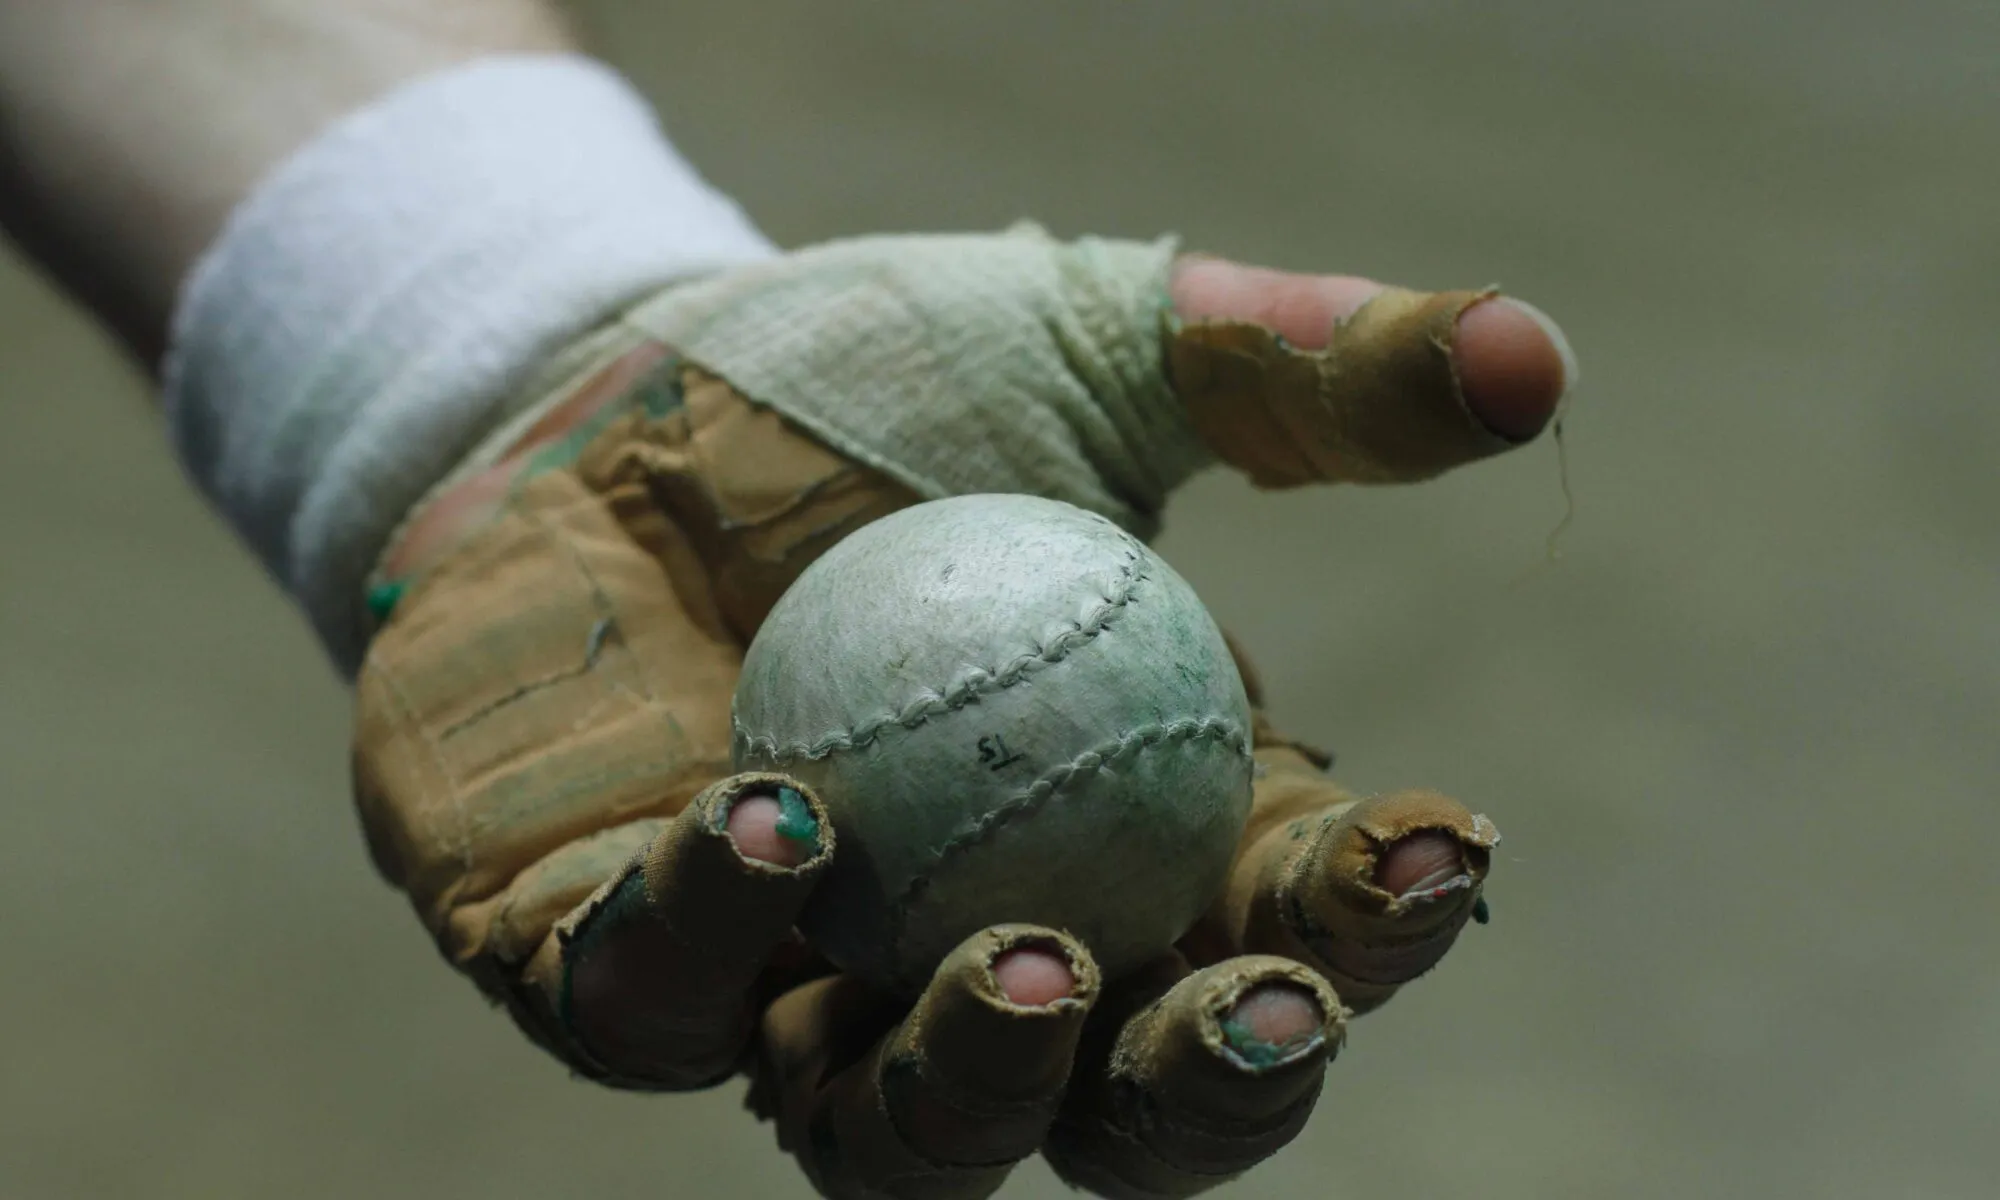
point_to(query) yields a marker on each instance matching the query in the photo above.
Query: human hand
(542, 744)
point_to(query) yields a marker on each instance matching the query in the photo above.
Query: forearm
(130, 128)
(343, 234)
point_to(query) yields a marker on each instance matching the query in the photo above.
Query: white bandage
(960, 363)
(361, 319)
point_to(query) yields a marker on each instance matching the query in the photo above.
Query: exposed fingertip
(1514, 366)
(758, 825)
(1423, 861)
(1033, 977)
(1572, 370)
(1272, 1023)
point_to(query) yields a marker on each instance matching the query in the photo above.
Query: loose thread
(1569, 496)
(1552, 549)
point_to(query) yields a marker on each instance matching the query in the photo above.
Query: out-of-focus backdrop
(1741, 737)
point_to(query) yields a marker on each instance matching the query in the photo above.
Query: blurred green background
(1739, 738)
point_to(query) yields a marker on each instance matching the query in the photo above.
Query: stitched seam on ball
(978, 682)
(1051, 782)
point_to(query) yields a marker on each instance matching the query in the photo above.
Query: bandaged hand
(542, 745)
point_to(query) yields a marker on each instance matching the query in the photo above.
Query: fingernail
(1514, 366)
(1422, 862)
(1033, 976)
(1571, 369)
(776, 829)
(1272, 1024)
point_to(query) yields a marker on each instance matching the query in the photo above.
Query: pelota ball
(1014, 711)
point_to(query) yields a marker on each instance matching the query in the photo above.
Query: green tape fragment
(796, 822)
(1254, 1051)
(383, 598)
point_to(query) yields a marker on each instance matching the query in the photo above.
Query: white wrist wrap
(359, 323)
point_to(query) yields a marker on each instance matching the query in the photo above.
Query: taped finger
(1184, 1084)
(1371, 893)
(650, 983)
(1386, 400)
(943, 1104)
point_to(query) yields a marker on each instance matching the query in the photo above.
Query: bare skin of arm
(130, 128)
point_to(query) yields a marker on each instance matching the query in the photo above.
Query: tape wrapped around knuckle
(959, 364)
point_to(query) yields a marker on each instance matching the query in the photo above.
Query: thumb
(1319, 378)
(1104, 372)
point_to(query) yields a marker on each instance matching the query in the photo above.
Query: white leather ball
(1014, 711)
